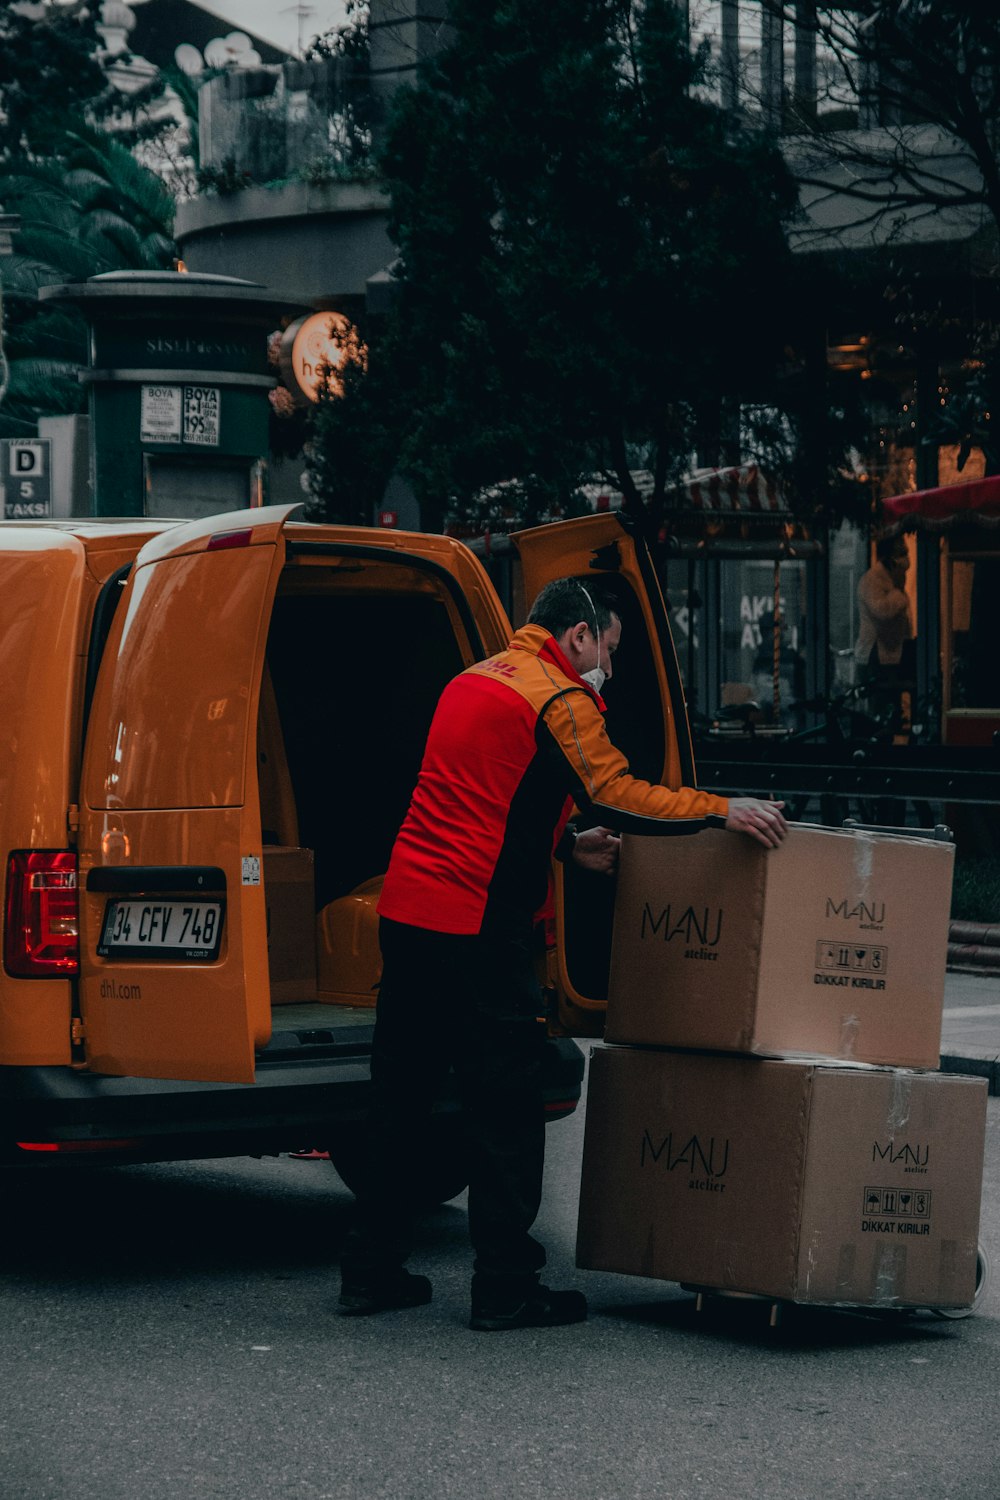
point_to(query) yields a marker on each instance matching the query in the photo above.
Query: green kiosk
(178, 389)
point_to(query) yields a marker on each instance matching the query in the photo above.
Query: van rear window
(357, 655)
(169, 723)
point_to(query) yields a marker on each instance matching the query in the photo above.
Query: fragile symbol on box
(900, 1203)
(856, 958)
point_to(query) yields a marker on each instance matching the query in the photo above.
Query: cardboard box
(833, 944)
(811, 1182)
(289, 891)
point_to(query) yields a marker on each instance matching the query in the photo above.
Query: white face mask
(596, 677)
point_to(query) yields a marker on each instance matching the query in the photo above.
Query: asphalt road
(169, 1333)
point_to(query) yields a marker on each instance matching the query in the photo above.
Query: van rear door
(174, 966)
(647, 720)
(44, 586)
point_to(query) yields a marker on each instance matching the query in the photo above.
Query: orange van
(211, 732)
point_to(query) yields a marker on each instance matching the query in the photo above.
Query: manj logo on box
(700, 930)
(707, 1162)
(869, 915)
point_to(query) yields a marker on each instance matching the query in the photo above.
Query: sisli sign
(26, 478)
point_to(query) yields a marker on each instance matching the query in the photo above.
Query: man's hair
(888, 547)
(564, 602)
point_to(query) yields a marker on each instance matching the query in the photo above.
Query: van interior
(358, 652)
(359, 649)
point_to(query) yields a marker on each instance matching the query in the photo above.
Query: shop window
(974, 607)
(849, 558)
(684, 590)
(763, 637)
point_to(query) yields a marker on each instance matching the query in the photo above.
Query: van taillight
(222, 541)
(42, 914)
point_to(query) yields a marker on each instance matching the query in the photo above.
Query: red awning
(975, 501)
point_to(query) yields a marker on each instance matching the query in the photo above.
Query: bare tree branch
(929, 71)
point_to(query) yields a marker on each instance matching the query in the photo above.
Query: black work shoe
(541, 1308)
(402, 1289)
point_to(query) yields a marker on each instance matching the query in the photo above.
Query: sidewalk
(970, 1030)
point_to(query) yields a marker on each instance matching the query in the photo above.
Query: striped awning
(736, 491)
(975, 502)
(741, 490)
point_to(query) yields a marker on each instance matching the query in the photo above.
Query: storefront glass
(684, 588)
(763, 608)
(733, 656)
(849, 554)
(974, 590)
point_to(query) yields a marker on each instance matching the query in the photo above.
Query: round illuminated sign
(314, 349)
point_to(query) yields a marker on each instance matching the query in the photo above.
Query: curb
(974, 947)
(986, 934)
(984, 961)
(976, 1067)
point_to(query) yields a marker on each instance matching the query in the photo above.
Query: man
(884, 609)
(884, 648)
(515, 741)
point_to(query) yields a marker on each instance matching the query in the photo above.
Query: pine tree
(48, 74)
(590, 252)
(86, 205)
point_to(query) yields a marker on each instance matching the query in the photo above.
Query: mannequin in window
(884, 648)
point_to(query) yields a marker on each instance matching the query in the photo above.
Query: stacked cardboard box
(762, 1127)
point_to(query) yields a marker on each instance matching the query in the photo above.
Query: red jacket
(514, 742)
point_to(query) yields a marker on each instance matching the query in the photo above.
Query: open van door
(173, 961)
(45, 586)
(647, 720)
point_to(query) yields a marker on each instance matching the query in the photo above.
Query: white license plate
(174, 928)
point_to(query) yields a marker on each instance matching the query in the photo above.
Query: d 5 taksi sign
(25, 478)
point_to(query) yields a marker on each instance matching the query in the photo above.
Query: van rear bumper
(55, 1116)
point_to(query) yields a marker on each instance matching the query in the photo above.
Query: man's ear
(572, 639)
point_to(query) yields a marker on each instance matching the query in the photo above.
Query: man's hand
(763, 821)
(597, 849)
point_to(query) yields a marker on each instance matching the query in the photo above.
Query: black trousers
(471, 1004)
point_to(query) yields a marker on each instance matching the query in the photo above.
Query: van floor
(307, 1022)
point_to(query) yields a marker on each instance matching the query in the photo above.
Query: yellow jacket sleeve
(602, 778)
